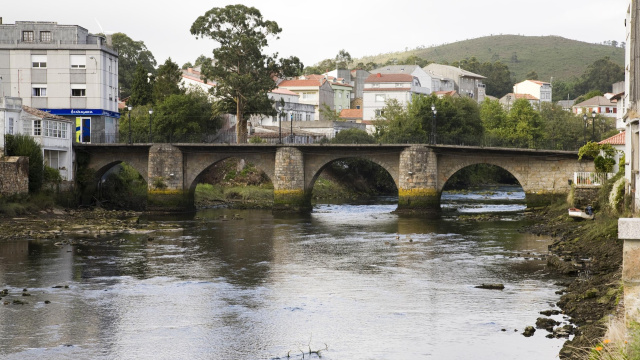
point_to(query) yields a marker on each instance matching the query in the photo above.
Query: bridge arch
(204, 163)
(316, 166)
(449, 171)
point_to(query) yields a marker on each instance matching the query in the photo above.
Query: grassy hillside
(549, 56)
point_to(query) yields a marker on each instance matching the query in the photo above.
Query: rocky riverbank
(589, 254)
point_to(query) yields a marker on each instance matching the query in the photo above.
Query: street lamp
(593, 126)
(291, 118)
(280, 108)
(129, 114)
(433, 124)
(584, 128)
(150, 117)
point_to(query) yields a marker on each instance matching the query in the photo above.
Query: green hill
(549, 56)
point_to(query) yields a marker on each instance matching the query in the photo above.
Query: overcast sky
(317, 30)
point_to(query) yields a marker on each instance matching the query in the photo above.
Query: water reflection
(233, 284)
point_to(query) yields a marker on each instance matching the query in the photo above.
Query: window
(380, 98)
(379, 112)
(358, 107)
(37, 127)
(399, 85)
(78, 92)
(27, 36)
(376, 85)
(10, 126)
(45, 36)
(55, 129)
(340, 94)
(78, 61)
(39, 91)
(39, 61)
(308, 96)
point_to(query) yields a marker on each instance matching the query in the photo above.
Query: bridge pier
(418, 190)
(166, 190)
(289, 193)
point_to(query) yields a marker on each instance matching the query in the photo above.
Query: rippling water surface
(354, 280)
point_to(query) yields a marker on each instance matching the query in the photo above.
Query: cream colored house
(538, 89)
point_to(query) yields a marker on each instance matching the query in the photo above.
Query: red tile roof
(296, 82)
(42, 114)
(351, 114)
(388, 89)
(381, 78)
(617, 139)
(284, 92)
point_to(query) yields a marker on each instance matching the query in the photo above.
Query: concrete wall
(629, 231)
(14, 175)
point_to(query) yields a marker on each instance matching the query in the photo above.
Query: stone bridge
(419, 171)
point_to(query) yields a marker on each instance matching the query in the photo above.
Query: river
(352, 280)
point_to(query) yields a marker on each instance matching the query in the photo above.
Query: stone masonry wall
(289, 172)
(14, 175)
(165, 166)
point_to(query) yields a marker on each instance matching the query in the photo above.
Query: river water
(353, 280)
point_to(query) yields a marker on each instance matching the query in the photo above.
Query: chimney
(378, 75)
(0, 20)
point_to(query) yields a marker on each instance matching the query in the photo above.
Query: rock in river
(491, 286)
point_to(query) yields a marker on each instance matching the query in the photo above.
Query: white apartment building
(65, 71)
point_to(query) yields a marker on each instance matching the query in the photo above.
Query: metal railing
(594, 179)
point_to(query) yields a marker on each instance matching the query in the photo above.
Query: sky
(314, 31)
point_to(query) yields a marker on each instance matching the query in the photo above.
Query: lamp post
(129, 114)
(433, 124)
(280, 123)
(584, 128)
(150, 118)
(291, 133)
(593, 126)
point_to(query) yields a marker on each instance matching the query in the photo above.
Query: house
(353, 115)
(567, 105)
(618, 143)
(424, 79)
(192, 79)
(54, 133)
(465, 82)
(314, 90)
(379, 88)
(508, 100)
(535, 88)
(292, 109)
(600, 104)
(65, 71)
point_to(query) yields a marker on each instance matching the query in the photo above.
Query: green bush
(51, 175)
(25, 145)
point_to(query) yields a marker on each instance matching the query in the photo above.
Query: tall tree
(343, 59)
(167, 81)
(140, 88)
(600, 76)
(396, 126)
(532, 75)
(131, 53)
(529, 128)
(244, 74)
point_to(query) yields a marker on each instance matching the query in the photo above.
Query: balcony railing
(593, 179)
